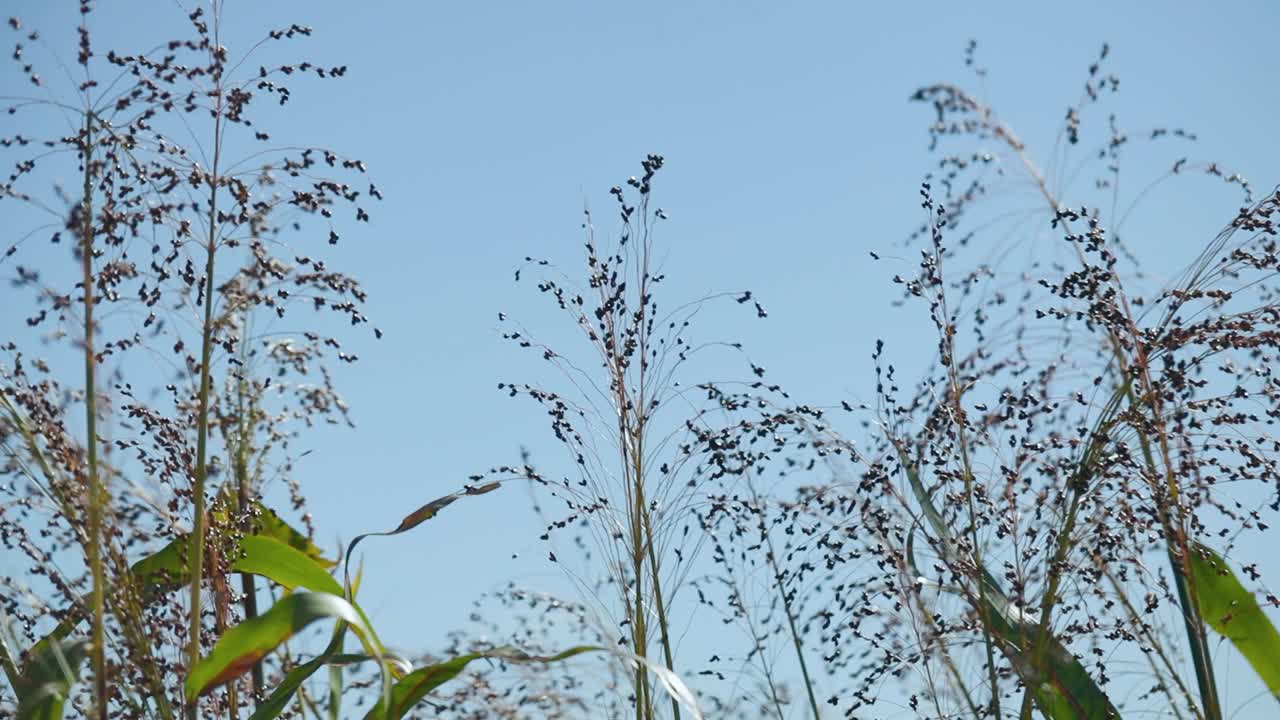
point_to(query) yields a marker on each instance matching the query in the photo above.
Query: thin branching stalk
(1175, 528)
(640, 633)
(1157, 647)
(642, 406)
(1201, 653)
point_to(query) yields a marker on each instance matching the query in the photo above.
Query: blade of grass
(243, 645)
(1233, 612)
(48, 676)
(292, 569)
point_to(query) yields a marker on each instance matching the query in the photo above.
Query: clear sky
(791, 152)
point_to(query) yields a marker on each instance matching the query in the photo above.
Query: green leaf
(292, 569)
(1065, 690)
(279, 698)
(1233, 612)
(268, 524)
(166, 569)
(284, 691)
(162, 571)
(247, 643)
(7, 660)
(412, 688)
(283, 564)
(50, 671)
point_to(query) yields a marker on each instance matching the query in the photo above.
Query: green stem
(791, 623)
(640, 639)
(244, 495)
(1191, 620)
(98, 653)
(196, 551)
(660, 603)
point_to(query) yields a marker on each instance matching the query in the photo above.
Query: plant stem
(791, 624)
(1187, 600)
(638, 626)
(953, 377)
(662, 612)
(95, 499)
(243, 498)
(196, 552)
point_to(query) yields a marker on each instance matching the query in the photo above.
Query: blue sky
(791, 152)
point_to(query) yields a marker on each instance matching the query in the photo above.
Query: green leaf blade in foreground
(412, 688)
(47, 677)
(1233, 612)
(247, 643)
(292, 568)
(284, 564)
(1065, 690)
(268, 524)
(166, 569)
(284, 691)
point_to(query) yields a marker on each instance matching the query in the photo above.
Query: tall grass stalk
(95, 497)
(199, 523)
(779, 584)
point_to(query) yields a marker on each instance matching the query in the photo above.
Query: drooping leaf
(1065, 690)
(8, 660)
(166, 569)
(938, 523)
(1233, 612)
(291, 568)
(50, 671)
(247, 643)
(417, 517)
